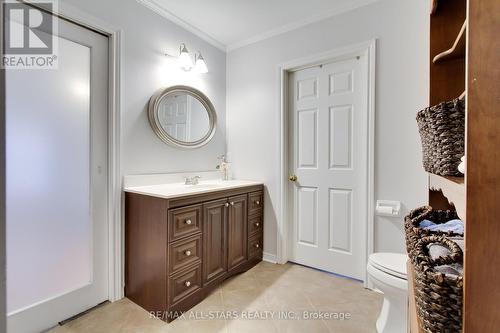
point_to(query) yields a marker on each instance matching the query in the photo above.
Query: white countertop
(175, 190)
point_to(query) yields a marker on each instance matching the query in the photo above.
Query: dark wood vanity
(178, 250)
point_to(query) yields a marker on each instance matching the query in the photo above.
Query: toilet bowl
(387, 273)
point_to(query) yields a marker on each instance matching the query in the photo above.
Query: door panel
(57, 173)
(307, 142)
(237, 231)
(328, 154)
(307, 222)
(340, 137)
(214, 239)
(339, 220)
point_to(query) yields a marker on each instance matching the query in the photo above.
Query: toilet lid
(390, 263)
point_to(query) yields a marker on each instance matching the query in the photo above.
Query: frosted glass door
(57, 184)
(48, 166)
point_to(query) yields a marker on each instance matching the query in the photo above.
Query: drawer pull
(189, 222)
(257, 224)
(257, 246)
(257, 202)
(187, 283)
(187, 253)
(226, 204)
(232, 203)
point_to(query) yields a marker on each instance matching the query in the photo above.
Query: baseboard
(270, 258)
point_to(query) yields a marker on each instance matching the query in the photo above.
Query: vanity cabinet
(215, 222)
(179, 249)
(237, 231)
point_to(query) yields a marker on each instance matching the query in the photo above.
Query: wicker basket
(412, 222)
(442, 132)
(438, 296)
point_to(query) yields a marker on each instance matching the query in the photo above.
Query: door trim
(285, 208)
(115, 198)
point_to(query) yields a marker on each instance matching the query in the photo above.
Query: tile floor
(265, 290)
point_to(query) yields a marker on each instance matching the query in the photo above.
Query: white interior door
(329, 154)
(176, 115)
(57, 171)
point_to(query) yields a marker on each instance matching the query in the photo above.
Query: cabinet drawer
(184, 253)
(255, 246)
(184, 284)
(254, 225)
(255, 203)
(184, 222)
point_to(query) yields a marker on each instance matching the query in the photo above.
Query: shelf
(453, 189)
(434, 5)
(457, 50)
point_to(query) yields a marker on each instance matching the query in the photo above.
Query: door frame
(285, 210)
(115, 199)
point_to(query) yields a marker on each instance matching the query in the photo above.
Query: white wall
(3, 266)
(401, 28)
(147, 36)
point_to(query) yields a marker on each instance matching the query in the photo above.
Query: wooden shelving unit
(473, 55)
(453, 189)
(447, 58)
(457, 50)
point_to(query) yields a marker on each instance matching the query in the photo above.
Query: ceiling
(229, 24)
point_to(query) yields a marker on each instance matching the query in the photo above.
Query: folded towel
(426, 223)
(438, 250)
(456, 226)
(451, 270)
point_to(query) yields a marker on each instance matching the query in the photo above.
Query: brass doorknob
(293, 178)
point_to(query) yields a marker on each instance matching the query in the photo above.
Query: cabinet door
(237, 231)
(214, 239)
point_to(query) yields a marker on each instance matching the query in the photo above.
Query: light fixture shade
(184, 58)
(200, 65)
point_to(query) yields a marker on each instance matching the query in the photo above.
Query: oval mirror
(182, 116)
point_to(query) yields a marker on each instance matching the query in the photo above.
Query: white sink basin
(172, 190)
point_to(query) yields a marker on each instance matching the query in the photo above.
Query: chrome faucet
(191, 180)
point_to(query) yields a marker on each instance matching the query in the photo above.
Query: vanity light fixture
(185, 62)
(184, 59)
(200, 65)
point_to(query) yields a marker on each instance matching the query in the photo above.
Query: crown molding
(161, 10)
(298, 24)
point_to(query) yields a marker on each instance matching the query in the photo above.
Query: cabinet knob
(187, 253)
(227, 204)
(257, 202)
(293, 178)
(189, 222)
(257, 245)
(257, 224)
(187, 283)
(232, 203)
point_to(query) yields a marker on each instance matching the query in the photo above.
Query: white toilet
(387, 273)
